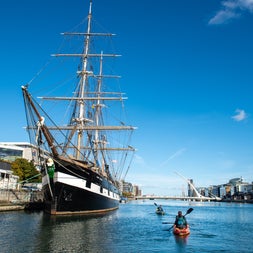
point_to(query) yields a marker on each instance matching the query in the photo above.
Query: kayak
(160, 212)
(181, 231)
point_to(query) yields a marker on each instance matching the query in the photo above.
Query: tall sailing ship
(83, 160)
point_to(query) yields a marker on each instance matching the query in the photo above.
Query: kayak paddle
(189, 211)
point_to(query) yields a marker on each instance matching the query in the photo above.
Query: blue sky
(186, 67)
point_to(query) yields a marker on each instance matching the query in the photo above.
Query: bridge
(200, 198)
(197, 197)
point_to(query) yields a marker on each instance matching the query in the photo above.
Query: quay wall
(15, 196)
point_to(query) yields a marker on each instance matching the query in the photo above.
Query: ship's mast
(88, 138)
(83, 84)
(99, 106)
(82, 124)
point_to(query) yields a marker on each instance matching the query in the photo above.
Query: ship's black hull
(79, 192)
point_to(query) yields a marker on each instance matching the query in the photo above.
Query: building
(8, 181)
(125, 187)
(136, 190)
(191, 192)
(9, 151)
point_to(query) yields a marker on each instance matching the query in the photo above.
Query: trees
(25, 170)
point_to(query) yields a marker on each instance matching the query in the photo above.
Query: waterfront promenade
(11, 207)
(11, 200)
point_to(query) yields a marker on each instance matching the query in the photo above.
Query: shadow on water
(207, 236)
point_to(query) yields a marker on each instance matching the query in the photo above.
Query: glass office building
(9, 151)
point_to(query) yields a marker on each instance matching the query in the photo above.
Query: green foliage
(127, 194)
(25, 170)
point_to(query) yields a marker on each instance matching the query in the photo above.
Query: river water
(215, 227)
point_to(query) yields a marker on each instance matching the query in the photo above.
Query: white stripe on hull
(81, 184)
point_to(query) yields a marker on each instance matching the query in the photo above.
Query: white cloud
(231, 9)
(240, 115)
(223, 16)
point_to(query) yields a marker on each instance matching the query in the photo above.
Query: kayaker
(180, 221)
(159, 209)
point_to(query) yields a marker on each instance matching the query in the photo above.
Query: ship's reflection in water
(75, 234)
